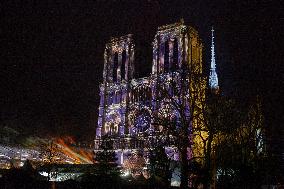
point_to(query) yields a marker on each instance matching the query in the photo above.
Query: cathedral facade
(129, 106)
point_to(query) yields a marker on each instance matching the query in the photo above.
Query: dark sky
(52, 55)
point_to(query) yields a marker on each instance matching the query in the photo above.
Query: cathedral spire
(213, 78)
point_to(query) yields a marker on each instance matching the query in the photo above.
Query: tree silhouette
(50, 155)
(179, 98)
(160, 165)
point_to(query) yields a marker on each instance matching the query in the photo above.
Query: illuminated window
(115, 66)
(112, 128)
(106, 129)
(123, 65)
(114, 97)
(118, 97)
(166, 57)
(123, 98)
(116, 129)
(175, 56)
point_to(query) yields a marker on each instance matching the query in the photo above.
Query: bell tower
(118, 59)
(168, 48)
(118, 71)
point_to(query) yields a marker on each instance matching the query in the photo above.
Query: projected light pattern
(79, 156)
(130, 106)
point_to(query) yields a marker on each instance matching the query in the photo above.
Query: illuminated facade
(127, 104)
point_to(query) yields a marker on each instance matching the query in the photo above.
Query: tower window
(166, 57)
(175, 55)
(123, 65)
(115, 66)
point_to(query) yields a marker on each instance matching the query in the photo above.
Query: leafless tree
(179, 98)
(194, 119)
(243, 147)
(50, 154)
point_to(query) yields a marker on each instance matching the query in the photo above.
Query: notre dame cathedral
(127, 104)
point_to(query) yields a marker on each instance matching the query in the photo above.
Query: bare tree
(50, 155)
(242, 152)
(179, 99)
(194, 119)
(221, 119)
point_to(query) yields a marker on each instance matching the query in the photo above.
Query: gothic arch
(166, 57)
(115, 66)
(122, 69)
(175, 55)
(113, 121)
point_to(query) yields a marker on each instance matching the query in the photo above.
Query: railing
(135, 142)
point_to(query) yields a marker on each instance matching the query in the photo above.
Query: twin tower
(127, 103)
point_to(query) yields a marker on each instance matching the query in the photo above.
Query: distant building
(16, 156)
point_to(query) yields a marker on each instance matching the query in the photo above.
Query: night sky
(52, 55)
